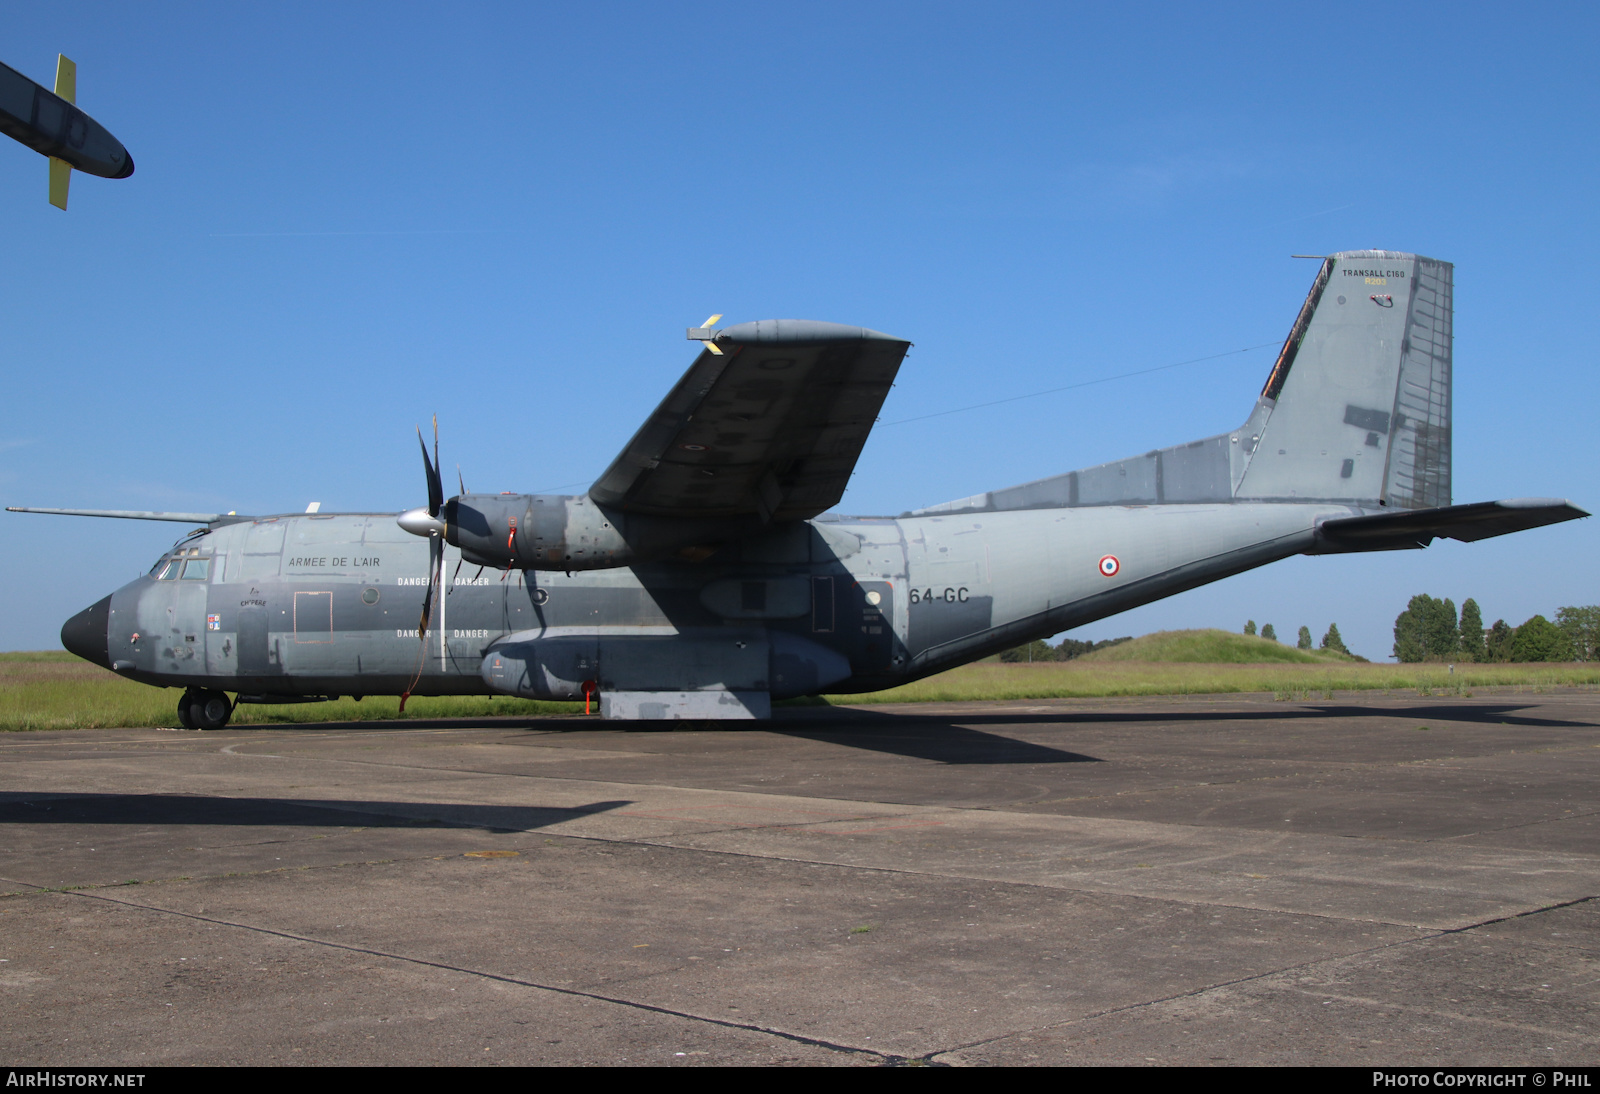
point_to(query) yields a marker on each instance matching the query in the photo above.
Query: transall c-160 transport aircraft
(701, 576)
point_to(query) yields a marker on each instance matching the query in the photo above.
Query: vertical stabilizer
(60, 169)
(1357, 407)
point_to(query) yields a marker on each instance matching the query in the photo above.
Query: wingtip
(770, 331)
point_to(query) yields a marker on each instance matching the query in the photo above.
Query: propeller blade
(435, 572)
(435, 486)
(438, 470)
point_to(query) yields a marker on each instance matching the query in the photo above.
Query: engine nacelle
(535, 532)
(572, 532)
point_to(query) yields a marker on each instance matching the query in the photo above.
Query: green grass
(1086, 679)
(1212, 647)
(55, 690)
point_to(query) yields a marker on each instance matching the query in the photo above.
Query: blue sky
(346, 218)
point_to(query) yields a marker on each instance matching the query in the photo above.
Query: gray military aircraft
(701, 577)
(50, 123)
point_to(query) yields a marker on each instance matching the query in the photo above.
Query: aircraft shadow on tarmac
(926, 737)
(955, 739)
(946, 744)
(1487, 714)
(177, 809)
(941, 739)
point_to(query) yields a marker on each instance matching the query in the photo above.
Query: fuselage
(320, 605)
(689, 583)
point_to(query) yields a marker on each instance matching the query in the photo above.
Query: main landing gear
(204, 709)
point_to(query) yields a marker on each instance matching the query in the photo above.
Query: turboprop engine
(554, 531)
(564, 532)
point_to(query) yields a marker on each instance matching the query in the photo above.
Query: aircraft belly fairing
(696, 580)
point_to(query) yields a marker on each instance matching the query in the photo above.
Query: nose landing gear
(199, 709)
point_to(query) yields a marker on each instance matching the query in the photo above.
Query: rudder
(1357, 407)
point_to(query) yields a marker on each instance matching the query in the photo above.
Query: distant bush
(1540, 640)
(1582, 628)
(1067, 650)
(1071, 648)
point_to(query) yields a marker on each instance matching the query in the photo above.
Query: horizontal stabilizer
(1410, 528)
(138, 514)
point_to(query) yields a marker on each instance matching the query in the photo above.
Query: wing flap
(771, 426)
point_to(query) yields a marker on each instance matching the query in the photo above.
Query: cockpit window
(170, 570)
(197, 569)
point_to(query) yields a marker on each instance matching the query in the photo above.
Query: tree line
(1330, 641)
(1430, 630)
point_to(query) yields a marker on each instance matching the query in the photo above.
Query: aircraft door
(253, 643)
(823, 606)
(221, 646)
(310, 644)
(190, 619)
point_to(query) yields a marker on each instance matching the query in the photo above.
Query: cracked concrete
(1214, 879)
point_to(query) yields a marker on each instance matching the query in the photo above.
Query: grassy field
(55, 690)
(1085, 679)
(1202, 662)
(1213, 647)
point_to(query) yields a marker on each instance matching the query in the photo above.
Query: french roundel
(1109, 566)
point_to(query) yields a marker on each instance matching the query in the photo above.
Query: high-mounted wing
(214, 519)
(768, 421)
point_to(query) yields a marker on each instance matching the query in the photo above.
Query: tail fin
(1357, 407)
(61, 170)
(1357, 410)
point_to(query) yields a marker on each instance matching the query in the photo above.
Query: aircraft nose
(85, 633)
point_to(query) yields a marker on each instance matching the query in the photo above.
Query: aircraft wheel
(211, 710)
(186, 710)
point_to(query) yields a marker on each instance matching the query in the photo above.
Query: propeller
(427, 522)
(435, 534)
